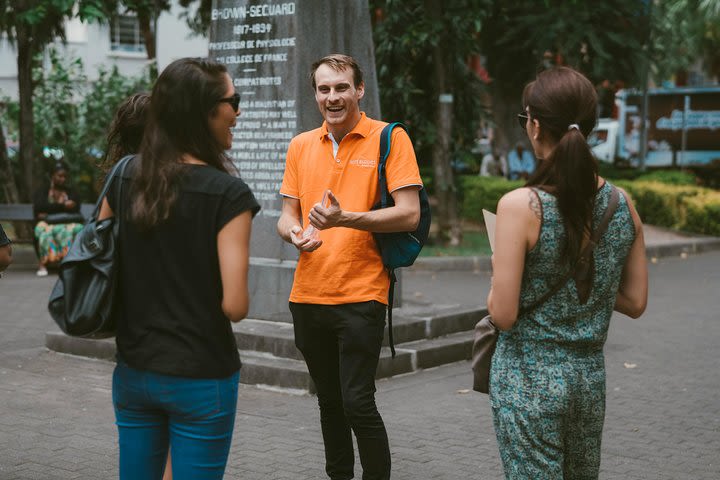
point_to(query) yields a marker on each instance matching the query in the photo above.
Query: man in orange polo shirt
(339, 296)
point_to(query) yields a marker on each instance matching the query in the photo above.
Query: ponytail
(572, 171)
(564, 102)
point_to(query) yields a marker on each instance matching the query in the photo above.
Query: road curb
(696, 245)
(482, 263)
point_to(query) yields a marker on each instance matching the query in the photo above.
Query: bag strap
(119, 166)
(586, 253)
(391, 300)
(118, 195)
(385, 144)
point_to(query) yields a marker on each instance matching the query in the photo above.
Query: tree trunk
(27, 132)
(7, 179)
(449, 229)
(148, 26)
(506, 105)
(146, 23)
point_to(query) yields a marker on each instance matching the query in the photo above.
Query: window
(125, 34)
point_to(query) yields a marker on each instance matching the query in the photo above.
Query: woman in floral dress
(547, 379)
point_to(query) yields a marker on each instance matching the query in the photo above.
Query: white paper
(490, 227)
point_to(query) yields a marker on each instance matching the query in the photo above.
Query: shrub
(607, 170)
(483, 192)
(703, 214)
(670, 177)
(658, 203)
(682, 207)
(688, 208)
(72, 116)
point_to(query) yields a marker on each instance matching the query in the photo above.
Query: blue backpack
(398, 249)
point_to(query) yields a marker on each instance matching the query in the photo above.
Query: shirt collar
(362, 128)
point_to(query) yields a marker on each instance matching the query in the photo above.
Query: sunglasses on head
(234, 101)
(522, 119)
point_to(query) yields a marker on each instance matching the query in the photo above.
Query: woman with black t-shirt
(184, 256)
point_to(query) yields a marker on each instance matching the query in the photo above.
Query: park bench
(23, 212)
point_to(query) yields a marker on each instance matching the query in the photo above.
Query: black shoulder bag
(81, 303)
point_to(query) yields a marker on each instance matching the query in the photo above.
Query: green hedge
(671, 177)
(681, 207)
(483, 192)
(703, 214)
(687, 208)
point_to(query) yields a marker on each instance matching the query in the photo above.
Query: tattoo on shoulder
(535, 204)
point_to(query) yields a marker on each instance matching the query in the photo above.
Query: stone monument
(268, 47)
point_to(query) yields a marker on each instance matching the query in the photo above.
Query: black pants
(341, 346)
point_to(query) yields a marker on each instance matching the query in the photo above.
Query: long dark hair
(127, 128)
(565, 103)
(184, 97)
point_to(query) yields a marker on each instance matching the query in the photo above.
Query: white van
(603, 140)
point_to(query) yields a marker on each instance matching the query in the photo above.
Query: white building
(117, 43)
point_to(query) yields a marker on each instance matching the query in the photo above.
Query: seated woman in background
(57, 212)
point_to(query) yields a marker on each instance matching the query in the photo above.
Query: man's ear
(360, 90)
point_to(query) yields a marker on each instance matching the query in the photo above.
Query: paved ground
(663, 405)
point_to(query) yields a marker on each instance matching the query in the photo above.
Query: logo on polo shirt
(361, 162)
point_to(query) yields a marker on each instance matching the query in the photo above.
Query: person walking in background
(5, 251)
(124, 138)
(547, 379)
(57, 212)
(184, 256)
(126, 130)
(339, 295)
(520, 162)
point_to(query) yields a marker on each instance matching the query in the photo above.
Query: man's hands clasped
(308, 243)
(321, 217)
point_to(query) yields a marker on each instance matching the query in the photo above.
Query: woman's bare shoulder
(520, 201)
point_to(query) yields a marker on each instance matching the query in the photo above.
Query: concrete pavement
(663, 407)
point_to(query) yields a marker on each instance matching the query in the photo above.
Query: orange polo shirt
(347, 267)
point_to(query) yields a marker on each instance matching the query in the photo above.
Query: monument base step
(270, 358)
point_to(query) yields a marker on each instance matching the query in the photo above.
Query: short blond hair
(338, 62)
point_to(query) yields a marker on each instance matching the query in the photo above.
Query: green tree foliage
(604, 40)
(198, 17)
(74, 115)
(30, 25)
(404, 36)
(422, 52)
(684, 31)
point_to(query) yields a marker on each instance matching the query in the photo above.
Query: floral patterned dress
(547, 379)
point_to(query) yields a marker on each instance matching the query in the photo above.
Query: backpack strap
(391, 300)
(385, 143)
(385, 201)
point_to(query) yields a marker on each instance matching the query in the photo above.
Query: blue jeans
(194, 417)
